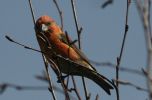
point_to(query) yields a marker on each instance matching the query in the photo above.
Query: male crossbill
(60, 45)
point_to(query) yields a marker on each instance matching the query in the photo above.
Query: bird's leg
(62, 77)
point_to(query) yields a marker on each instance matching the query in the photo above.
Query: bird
(49, 33)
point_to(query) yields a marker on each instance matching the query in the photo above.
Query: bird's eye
(48, 23)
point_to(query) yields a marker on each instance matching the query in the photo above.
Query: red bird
(60, 45)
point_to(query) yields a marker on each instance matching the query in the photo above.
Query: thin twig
(149, 15)
(144, 12)
(51, 89)
(27, 47)
(32, 12)
(67, 81)
(107, 64)
(61, 18)
(146, 75)
(105, 4)
(121, 68)
(121, 51)
(4, 86)
(131, 84)
(76, 90)
(42, 77)
(60, 13)
(20, 87)
(53, 64)
(79, 42)
(97, 97)
(76, 23)
(44, 59)
(55, 67)
(70, 43)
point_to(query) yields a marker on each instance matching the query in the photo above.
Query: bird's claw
(61, 78)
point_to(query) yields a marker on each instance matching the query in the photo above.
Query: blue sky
(101, 37)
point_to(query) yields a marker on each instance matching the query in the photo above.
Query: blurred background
(101, 40)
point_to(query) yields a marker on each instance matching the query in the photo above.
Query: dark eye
(48, 23)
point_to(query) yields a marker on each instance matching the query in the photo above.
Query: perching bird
(62, 45)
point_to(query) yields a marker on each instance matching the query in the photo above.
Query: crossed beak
(44, 28)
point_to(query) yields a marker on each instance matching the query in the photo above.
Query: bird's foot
(61, 78)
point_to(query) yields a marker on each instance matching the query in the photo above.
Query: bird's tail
(102, 81)
(85, 71)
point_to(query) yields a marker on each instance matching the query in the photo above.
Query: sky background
(101, 40)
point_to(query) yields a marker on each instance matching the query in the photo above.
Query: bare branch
(122, 48)
(44, 59)
(76, 23)
(60, 13)
(4, 86)
(32, 11)
(75, 88)
(144, 12)
(105, 4)
(107, 64)
(121, 68)
(97, 97)
(79, 42)
(131, 84)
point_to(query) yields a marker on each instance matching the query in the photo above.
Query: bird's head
(43, 24)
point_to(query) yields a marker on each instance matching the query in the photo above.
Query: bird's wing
(66, 39)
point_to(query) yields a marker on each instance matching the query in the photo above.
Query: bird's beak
(44, 28)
